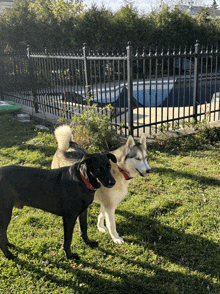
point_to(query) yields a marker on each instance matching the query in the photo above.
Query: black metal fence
(146, 88)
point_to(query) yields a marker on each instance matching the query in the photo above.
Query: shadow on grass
(191, 252)
(81, 281)
(14, 132)
(196, 146)
(43, 159)
(22, 152)
(183, 174)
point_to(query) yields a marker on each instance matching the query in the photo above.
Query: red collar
(124, 174)
(86, 182)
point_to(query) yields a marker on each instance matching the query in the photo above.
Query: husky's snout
(147, 171)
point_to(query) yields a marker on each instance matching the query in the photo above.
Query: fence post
(130, 87)
(33, 87)
(86, 70)
(1, 79)
(195, 86)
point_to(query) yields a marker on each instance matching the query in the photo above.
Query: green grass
(170, 222)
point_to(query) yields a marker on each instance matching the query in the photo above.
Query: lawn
(170, 222)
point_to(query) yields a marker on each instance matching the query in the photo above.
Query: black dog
(66, 192)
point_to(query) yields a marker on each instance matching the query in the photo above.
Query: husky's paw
(118, 240)
(102, 229)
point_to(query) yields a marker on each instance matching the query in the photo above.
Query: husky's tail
(63, 136)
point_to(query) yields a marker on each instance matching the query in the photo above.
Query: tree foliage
(175, 28)
(94, 27)
(62, 25)
(48, 23)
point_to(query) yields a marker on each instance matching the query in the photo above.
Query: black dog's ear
(86, 159)
(112, 157)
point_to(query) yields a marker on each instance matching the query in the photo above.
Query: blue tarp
(144, 94)
(163, 94)
(151, 95)
(181, 96)
(148, 93)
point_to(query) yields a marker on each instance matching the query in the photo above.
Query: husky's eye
(137, 158)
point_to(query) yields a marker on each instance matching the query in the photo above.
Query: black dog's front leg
(82, 220)
(68, 225)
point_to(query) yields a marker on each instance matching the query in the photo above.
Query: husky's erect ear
(143, 141)
(112, 157)
(130, 142)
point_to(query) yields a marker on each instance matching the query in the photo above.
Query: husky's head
(134, 159)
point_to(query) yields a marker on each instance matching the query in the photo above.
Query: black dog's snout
(111, 183)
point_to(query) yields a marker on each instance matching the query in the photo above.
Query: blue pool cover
(167, 94)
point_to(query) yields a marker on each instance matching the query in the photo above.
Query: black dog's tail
(64, 137)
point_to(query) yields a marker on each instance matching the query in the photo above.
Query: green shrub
(93, 129)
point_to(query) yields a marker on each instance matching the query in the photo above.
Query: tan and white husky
(131, 161)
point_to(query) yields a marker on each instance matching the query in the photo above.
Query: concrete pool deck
(141, 116)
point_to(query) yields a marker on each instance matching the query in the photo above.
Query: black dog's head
(96, 169)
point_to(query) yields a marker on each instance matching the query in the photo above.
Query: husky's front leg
(100, 224)
(110, 222)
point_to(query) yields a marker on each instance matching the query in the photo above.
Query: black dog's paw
(73, 256)
(92, 243)
(10, 245)
(11, 256)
